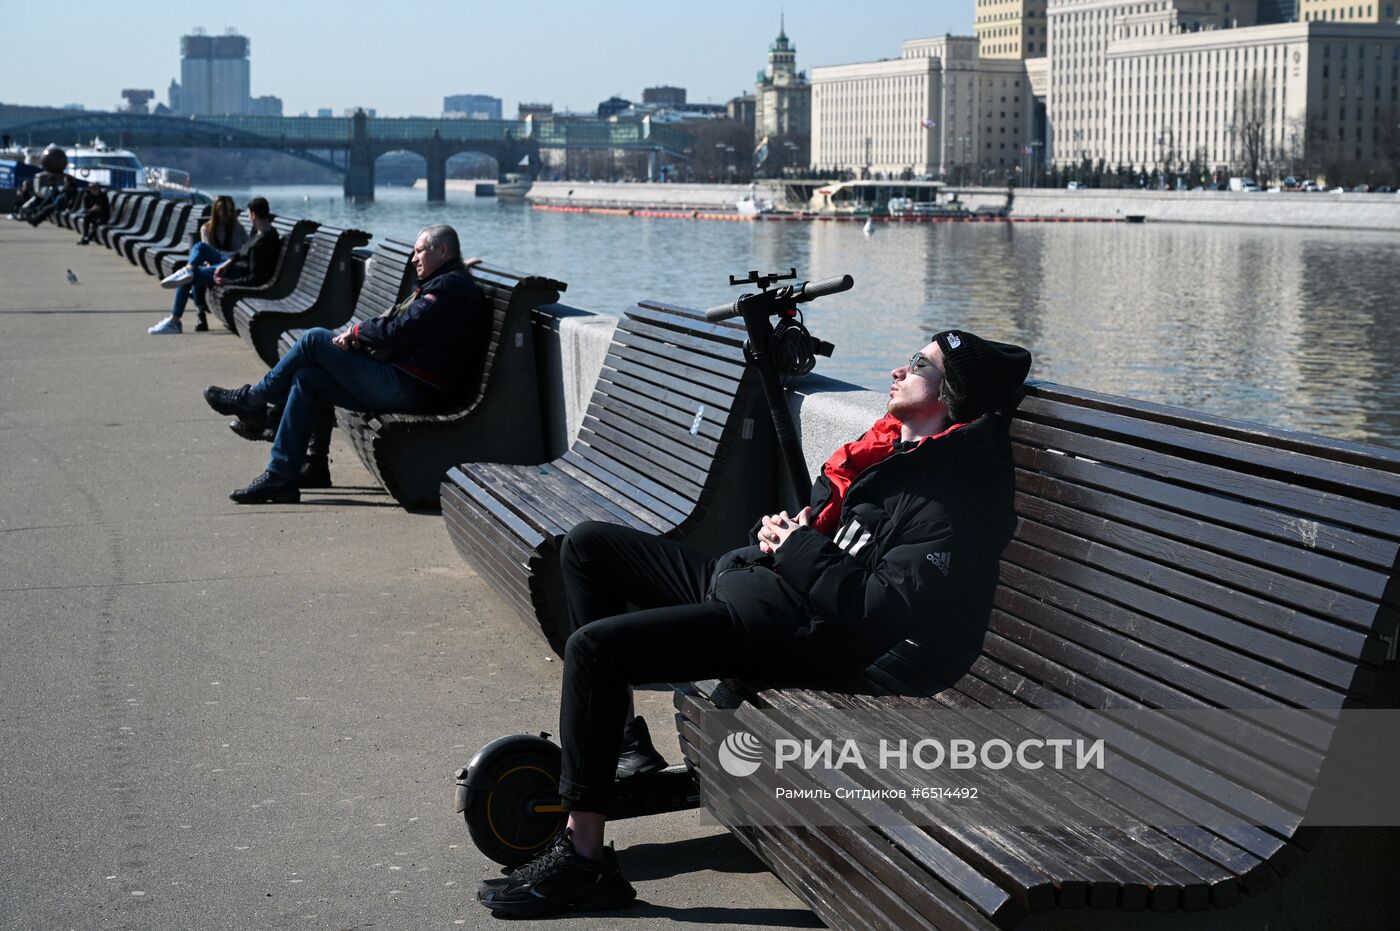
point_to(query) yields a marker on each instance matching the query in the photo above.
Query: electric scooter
(509, 792)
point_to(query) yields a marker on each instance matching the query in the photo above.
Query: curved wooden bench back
(1161, 559)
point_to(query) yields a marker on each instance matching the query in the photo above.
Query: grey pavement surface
(214, 716)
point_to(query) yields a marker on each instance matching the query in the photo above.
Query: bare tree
(1251, 125)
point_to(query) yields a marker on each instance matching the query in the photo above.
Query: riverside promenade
(220, 716)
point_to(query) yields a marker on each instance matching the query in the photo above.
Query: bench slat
(1280, 507)
(1250, 458)
(1256, 595)
(1172, 623)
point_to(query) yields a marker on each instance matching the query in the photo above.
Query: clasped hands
(778, 527)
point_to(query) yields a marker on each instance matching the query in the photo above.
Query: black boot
(201, 322)
(239, 402)
(268, 488)
(315, 473)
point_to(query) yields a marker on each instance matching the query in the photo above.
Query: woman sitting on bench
(901, 537)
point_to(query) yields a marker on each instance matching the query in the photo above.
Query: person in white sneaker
(221, 249)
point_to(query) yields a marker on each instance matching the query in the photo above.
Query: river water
(1294, 328)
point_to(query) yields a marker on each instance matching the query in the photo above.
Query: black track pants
(677, 636)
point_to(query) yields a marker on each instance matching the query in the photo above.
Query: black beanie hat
(983, 372)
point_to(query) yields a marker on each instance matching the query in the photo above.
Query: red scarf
(848, 462)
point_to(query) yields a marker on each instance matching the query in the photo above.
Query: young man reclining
(901, 539)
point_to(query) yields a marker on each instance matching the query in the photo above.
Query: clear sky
(319, 53)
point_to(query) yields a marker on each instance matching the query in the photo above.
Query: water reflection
(1295, 328)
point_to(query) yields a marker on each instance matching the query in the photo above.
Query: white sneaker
(168, 325)
(175, 279)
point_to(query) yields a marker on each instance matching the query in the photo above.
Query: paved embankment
(1331, 211)
(215, 716)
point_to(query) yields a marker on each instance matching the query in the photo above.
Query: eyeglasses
(919, 361)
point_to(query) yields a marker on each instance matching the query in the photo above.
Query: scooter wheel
(511, 803)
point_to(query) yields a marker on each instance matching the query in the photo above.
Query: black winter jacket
(915, 557)
(256, 261)
(439, 335)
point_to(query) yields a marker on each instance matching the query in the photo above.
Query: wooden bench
(324, 294)
(498, 422)
(71, 216)
(1161, 559)
(676, 441)
(128, 218)
(284, 274)
(386, 280)
(169, 218)
(161, 260)
(117, 204)
(150, 221)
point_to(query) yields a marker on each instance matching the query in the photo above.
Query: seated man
(415, 358)
(901, 539)
(64, 196)
(97, 209)
(252, 264)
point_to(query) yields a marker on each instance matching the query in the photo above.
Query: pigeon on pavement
(72, 278)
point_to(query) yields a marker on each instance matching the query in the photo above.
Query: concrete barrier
(1287, 209)
(630, 196)
(573, 343)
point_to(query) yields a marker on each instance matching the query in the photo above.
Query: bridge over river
(358, 140)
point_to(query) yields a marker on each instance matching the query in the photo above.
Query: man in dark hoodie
(417, 357)
(901, 540)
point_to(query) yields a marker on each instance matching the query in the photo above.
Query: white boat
(120, 169)
(754, 203)
(513, 185)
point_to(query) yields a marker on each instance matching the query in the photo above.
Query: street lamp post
(727, 155)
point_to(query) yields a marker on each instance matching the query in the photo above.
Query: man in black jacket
(901, 540)
(415, 358)
(97, 209)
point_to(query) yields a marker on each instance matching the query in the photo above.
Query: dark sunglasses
(919, 361)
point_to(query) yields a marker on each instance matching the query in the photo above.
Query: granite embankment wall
(1316, 211)
(574, 343)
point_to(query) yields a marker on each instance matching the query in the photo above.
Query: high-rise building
(938, 109)
(214, 74)
(472, 106)
(1341, 11)
(1171, 85)
(1278, 11)
(1082, 95)
(538, 111)
(1010, 28)
(783, 104)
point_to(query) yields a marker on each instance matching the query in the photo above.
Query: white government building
(1141, 84)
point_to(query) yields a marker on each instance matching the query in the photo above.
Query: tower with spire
(782, 109)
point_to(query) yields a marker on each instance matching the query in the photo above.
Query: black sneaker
(256, 433)
(638, 756)
(315, 473)
(201, 324)
(559, 880)
(237, 401)
(268, 488)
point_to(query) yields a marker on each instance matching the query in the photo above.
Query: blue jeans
(203, 259)
(315, 377)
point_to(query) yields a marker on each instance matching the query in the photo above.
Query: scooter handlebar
(722, 312)
(807, 291)
(812, 290)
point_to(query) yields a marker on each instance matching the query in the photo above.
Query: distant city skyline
(319, 54)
